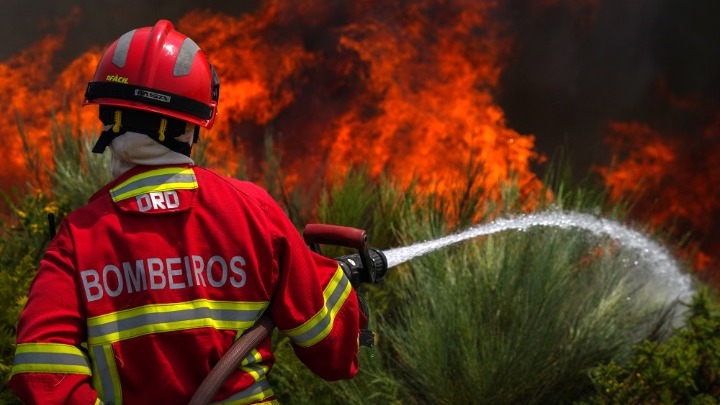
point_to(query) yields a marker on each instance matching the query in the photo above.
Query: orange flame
(405, 90)
(408, 91)
(35, 98)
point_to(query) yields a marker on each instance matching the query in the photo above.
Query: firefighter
(143, 289)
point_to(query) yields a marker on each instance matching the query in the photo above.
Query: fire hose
(371, 268)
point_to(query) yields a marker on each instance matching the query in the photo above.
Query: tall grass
(515, 317)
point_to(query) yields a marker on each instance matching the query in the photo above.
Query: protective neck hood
(133, 148)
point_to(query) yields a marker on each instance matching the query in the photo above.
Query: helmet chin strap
(161, 129)
(110, 132)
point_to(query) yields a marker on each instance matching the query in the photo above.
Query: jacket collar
(130, 173)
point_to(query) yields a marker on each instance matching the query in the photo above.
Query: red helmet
(157, 70)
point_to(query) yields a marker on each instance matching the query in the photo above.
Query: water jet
(657, 260)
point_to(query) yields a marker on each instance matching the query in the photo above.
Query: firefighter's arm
(51, 366)
(315, 306)
(324, 321)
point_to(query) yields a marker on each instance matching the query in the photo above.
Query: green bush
(516, 317)
(22, 243)
(685, 369)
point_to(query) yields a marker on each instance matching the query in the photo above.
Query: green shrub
(685, 369)
(22, 243)
(516, 317)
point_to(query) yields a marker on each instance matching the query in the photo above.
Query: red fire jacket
(144, 289)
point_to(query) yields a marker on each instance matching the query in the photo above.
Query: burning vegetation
(401, 90)
(408, 89)
(668, 170)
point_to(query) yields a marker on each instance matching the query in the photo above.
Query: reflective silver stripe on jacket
(50, 358)
(321, 323)
(157, 319)
(104, 330)
(258, 391)
(104, 369)
(156, 180)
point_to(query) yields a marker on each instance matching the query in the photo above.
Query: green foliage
(23, 242)
(295, 384)
(298, 201)
(77, 173)
(685, 369)
(24, 236)
(517, 317)
(357, 201)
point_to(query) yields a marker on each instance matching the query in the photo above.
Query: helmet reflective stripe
(121, 50)
(165, 179)
(256, 392)
(321, 323)
(160, 318)
(185, 57)
(50, 358)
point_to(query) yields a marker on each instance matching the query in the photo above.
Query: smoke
(89, 23)
(576, 66)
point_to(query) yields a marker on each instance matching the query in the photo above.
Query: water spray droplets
(655, 257)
